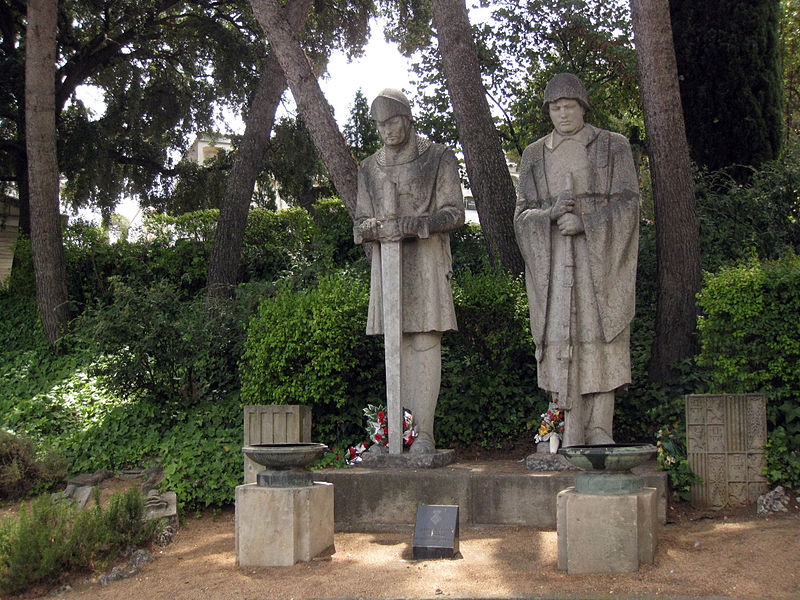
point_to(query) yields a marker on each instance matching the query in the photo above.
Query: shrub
(489, 389)
(22, 471)
(158, 345)
(761, 218)
(202, 454)
(750, 340)
(308, 346)
(54, 537)
(672, 458)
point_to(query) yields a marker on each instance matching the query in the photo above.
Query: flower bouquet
(551, 427)
(378, 430)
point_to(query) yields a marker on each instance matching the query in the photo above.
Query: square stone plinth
(277, 527)
(606, 533)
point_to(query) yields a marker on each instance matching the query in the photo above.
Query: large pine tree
(730, 79)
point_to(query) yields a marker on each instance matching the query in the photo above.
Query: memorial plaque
(436, 531)
(725, 446)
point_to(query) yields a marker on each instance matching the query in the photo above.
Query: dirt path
(734, 555)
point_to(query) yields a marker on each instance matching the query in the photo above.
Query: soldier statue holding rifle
(577, 225)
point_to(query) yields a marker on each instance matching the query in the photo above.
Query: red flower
(378, 437)
(562, 428)
(381, 415)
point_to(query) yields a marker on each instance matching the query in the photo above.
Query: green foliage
(52, 537)
(469, 250)
(308, 346)
(671, 443)
(750, 341)
(21, 280)
(521, 47)
(730, 80)
(760, 218)
(359, 130)
(202, 454)
(783, 458)
(23, 470)
(155, 344)
(489, 391)
(296, 165)
(790, 55)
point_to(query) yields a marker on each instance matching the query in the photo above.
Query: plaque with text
(436, 531)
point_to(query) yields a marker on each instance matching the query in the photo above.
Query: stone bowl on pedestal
(285, 465)
(608, 467)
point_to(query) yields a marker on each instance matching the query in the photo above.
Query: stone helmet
(565, 85)
(390, 103)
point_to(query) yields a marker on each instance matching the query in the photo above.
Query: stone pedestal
(606, 533)
(277, 527)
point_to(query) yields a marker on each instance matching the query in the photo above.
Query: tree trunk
(677, 229)
(46, 243)
(311, 102)
(489, 178)
(223, 264)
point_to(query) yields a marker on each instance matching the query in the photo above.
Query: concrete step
(501, 492)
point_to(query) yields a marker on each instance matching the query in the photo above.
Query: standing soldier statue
(577, 225)
(409, 198)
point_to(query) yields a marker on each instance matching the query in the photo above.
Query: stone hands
(392, 230)
(412, 226)
(570, 224)
(564, 204)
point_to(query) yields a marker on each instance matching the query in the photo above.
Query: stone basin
(612, 458)
(279, 457)
(285, 465)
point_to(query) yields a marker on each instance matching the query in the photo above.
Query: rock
(775, 501)
(152, 478)
(139, 558)
(60, 591)
(90, 479)
(116, 574)
(165, 536)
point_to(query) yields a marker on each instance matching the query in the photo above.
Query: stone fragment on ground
(774, 501)
(135, 562)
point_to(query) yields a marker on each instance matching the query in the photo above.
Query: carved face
(566, 115)
(395, 130)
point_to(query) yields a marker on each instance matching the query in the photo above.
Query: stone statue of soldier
(577, 225)
(424, 205)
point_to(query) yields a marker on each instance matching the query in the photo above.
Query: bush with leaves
(750, 340)
(308, 346)
(53, 537)
(489, 391)
(154, 343)
(760, 219)
(24, 469)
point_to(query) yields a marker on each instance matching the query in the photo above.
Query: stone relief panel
(725, 445)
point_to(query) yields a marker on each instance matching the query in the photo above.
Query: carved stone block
(725, 445)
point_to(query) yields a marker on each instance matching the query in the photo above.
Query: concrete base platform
(487, 493)
(606, 533)
(277, 527)
(407, 460)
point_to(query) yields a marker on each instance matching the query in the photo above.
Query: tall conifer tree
(730, 79)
